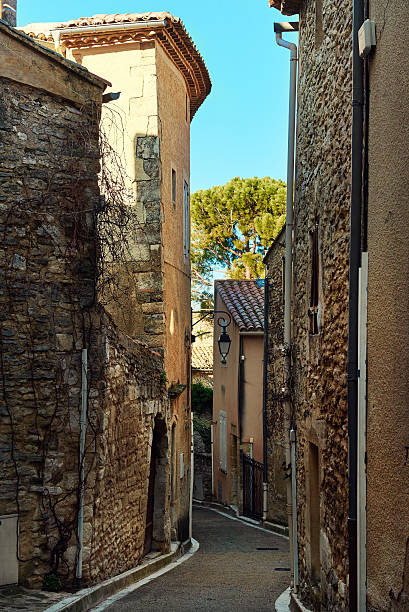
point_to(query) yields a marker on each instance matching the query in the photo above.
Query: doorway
(157, 519)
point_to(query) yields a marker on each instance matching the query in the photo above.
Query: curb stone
(289, 602)
(282, 603)
(87, 598)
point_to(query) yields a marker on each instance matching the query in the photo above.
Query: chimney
(9, 11)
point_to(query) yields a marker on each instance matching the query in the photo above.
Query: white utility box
(366, 37)
(8, 550)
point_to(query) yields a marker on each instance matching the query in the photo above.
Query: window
(314, 290)
(186, 228)
(223, 440)
(174, 187)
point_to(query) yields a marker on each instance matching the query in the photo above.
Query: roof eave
(286, 7)
(172, 36)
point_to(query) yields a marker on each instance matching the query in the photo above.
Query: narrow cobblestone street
(237, 567)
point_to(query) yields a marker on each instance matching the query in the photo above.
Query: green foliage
(232, 226)
(202, 399)
(51, 582)
(202, 427)
(163, 377)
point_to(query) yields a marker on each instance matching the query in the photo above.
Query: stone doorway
(157, 525)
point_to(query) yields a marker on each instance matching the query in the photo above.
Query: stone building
(87, 412)
(350, 288)
(273, 356)
(162, 79)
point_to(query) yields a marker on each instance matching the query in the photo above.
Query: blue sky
(241, 129)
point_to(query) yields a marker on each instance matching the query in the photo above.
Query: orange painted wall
(226, 398)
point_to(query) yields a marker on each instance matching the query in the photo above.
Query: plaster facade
(388, 316)
(237, 394)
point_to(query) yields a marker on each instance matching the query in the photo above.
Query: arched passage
(157, 526)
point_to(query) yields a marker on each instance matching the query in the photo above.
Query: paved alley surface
(231, 571)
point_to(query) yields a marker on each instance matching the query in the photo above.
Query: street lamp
(224, 341)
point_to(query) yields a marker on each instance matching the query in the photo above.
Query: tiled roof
(202, 356)
(173, 36)
(244, 299)
(104, 19)
(287, 7)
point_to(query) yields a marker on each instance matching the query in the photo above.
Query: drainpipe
(354, 264)
(265, 358)
(83, 428)
(289, 431)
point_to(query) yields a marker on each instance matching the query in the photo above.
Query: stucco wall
(131, 126)
(225, 397)
(322, 195)
(252, 412)
(388, 312)
(174, 134)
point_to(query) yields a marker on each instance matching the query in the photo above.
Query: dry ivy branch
(57, 215)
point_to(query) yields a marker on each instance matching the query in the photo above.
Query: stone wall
(128, 400)
(322, 196)
(49, 197)
(202, 485)
(277, 497)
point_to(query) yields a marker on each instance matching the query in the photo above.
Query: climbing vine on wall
(63, 235)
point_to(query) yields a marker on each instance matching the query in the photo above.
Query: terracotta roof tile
(244, 299)
(119, 18)
(286, 7)
(202, 356)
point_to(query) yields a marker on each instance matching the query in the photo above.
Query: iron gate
(252, 471)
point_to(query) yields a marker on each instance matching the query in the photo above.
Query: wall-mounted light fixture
(224, 341)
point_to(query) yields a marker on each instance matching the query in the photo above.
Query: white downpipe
(265, 500)
(83, 429)
(361, 467)
(292, 518)
(192, 475)
(293, 440)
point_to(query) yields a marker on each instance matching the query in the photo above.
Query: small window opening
(186, 229)
(174, 186)
(314, 292)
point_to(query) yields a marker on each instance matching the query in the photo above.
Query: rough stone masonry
(49, 312)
